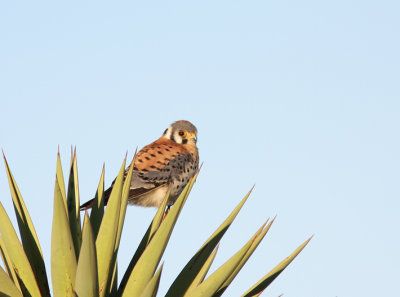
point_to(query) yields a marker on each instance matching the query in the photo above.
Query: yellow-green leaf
(8, 264)
(105, 241)
(73, 204)
(112, 282)
(255, 242)
(148, 262)
(153, 227)
(192, 268)
(96, 215)
(155, 224)
(7, 287)
(202, 273)
(257, 288)
(113, 279)
(152, 287)
(86, 283)
(30, 241)
(211, 284)
(17, 255)
(124, 203)
(60, 178)
(63, 259)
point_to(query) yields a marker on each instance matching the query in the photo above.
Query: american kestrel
(171, 159)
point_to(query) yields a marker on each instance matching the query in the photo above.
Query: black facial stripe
(174, 133)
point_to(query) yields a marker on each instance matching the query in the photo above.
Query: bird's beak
(193, 136)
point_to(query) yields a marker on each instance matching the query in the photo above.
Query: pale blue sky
(300, 97)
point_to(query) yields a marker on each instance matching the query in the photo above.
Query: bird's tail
(89, 204)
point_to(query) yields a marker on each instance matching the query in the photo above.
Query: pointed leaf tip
(265, 281)
(201, 165)
(265, 223)
(134, 156)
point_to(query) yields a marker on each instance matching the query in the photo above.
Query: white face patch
(169, 133)
(173, 135)
(177, 137)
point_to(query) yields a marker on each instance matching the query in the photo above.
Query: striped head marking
(182, 132)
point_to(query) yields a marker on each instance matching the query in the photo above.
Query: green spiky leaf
(155, 224)
(8, 264)
(255, 242)
(60, 179)
(148, 262)
(30, 241)
(202, 273)
(105, 241)
(192, 268)
(113, 280)
(152, 287)
(124, 203)
(264, 282)
(211, 284)
(73, 204)
(7, 287)
(63, 259)
(86, 283)
(17, 255)
(153, 227)
(97, 213)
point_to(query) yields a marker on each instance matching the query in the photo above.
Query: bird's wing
(156, 165)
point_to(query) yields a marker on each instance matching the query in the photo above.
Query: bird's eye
(182, 133)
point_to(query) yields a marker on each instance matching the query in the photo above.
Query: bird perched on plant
(170, 160)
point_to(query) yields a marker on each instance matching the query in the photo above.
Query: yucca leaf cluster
(84, 255)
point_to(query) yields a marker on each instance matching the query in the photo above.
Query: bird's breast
(186, 171)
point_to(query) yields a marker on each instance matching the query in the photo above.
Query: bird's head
(182, 132)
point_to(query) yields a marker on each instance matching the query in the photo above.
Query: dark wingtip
(87, 205)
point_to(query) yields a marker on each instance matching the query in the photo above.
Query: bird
(170, 161)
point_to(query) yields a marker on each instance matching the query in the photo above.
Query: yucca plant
(84, 256)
